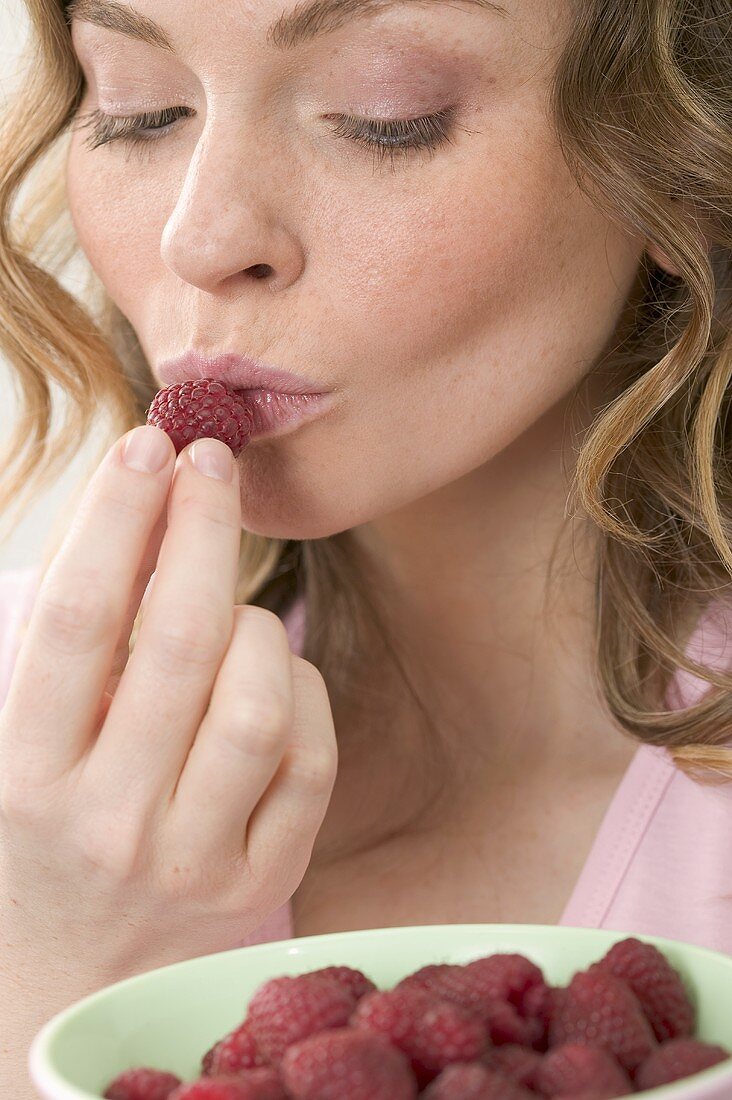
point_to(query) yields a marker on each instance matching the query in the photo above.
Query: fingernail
(213, 458)
(147, 449)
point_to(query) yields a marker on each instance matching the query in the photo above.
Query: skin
(453, 303)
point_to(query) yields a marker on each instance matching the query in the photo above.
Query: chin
(296, 523)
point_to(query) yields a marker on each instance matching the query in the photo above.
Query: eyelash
(385, 137)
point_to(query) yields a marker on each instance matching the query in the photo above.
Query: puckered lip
(241, 372)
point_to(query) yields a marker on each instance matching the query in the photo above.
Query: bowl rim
(45, 1077)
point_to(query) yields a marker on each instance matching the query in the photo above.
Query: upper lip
(241, 372)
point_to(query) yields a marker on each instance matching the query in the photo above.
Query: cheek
(496, 260)
(112, 219)
(412, 269)
(468, 311)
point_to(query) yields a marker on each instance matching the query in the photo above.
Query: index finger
(67, 652)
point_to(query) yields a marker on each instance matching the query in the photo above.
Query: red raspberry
(354, 980)
(472, 1081)
(510, 977)
(439, 979)
(539, 1007)
(286, 1009)
(500, 988)
(600, 1010)
(576, 1067)
(517, 1062)
(656, 984)
(142, 1084)
(676, 1059)
(504, 1025)
(236, 1051)
(347, 1064)
(263, 1083)
(431, 1032)
(202, 407)
(557, 997)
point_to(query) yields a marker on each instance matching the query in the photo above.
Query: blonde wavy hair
(643, 111)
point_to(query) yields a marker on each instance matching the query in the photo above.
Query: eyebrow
(306, 21)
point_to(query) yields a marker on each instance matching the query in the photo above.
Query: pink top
(661, 862)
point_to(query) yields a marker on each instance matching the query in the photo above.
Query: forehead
(527, 34)
(283, 29)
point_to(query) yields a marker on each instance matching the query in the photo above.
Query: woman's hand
(171, 820)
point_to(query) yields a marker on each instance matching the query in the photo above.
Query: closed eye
(384, 136)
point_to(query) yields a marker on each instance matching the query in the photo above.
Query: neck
(502, 659)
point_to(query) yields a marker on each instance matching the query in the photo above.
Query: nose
(224, 227)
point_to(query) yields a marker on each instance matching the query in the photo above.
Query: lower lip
(283, 412)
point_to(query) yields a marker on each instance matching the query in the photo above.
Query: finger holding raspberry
(196, 409)
(174, 825)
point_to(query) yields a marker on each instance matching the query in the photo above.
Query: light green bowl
(168, 1018)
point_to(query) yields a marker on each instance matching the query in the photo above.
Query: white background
(25, 545)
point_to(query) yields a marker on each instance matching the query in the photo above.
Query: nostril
(260, 271)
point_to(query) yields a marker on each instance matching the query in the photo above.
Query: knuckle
(78, 616)
(211, 511)
(131, 500)
(189, 640)
(258, 726)
(313, 772)
(252, 612)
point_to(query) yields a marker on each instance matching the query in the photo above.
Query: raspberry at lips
(202, 408)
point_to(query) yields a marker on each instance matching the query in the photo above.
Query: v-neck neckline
(631, 809)
(627, 818)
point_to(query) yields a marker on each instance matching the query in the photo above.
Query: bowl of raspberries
(435, 1012)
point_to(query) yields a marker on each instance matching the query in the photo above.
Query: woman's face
(448, 298)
